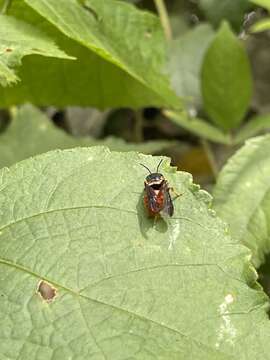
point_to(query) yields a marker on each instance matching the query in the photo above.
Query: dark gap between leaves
(264, 277)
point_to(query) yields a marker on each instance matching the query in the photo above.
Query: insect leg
(177, 194)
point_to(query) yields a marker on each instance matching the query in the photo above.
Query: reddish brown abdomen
(159, 204)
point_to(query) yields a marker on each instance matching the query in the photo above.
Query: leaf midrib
(89, 207)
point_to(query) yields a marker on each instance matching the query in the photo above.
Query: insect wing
(168, 204)
(152, 199)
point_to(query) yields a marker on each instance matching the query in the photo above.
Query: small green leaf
(198, 127)
(261, 25)
(226, 80)
(186, 56)
(242, 196)
(252, 128)
(32, 133)
(19, 39)
(231, 10)
(84, 274)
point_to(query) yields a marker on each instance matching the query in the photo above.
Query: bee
(157, 198)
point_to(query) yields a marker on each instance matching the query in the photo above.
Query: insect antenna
(146, 168)
(159, 164)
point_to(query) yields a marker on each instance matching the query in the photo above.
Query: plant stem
(210, 156)
(5, 6)
(164, 18)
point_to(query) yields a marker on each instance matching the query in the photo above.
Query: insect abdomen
(155, 206)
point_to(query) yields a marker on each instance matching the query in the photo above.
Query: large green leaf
(111, 69)
(226, 80)
(242, 196)
(127, 287)
(18, 39)
(231, 10)
(32, 133)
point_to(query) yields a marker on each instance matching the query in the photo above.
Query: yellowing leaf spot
(227, 331)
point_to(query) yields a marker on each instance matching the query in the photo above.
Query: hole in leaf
(8, 50)
(46, 291)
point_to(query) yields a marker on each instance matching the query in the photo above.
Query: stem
(138, 128)
(164, 18)
(5, 6)
(210, 156)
